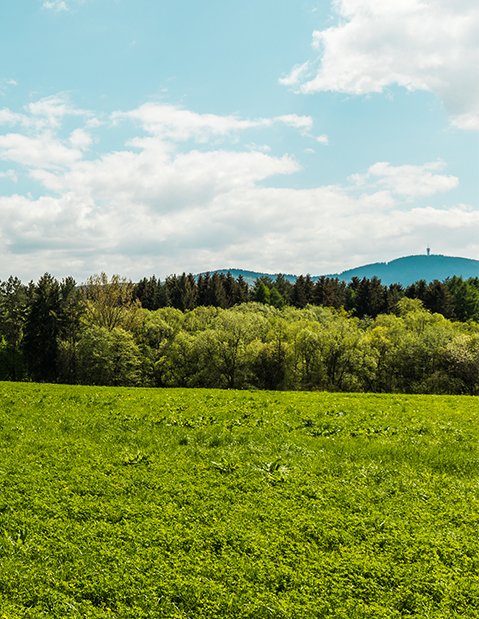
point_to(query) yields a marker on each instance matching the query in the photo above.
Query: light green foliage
(147, 504)
(110, 303)
(462, 359)
(99, 334)
(257, 345)
(108, 357)
(155, 335)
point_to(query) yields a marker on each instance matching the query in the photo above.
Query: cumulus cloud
(154, 206)
(44, 150)
(411, 181)
(45, 113)
(81, 139)
(36, 143)
(429, 46)
(8, 117)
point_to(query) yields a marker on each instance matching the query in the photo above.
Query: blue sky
(144, 136)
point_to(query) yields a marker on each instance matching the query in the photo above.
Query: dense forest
(456, 298)
(216, 331)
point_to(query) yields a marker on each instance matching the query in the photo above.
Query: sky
(144, 137)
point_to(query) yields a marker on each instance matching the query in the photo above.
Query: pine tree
(13, 311)
(42, 329)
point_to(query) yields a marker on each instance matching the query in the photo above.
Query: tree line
(456, 298)
(216, 331)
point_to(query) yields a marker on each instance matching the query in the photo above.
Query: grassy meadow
(138, 503)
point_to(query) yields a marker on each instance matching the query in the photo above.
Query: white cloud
(419, 45)
(50, 111)
(44, 151)
(411, 181)
(178, 124)
(162, 181)
(305, 123)
(322, 139)
(468, 121)
(147, 212)
(93, 123)
(55, 5)
(153, 206)
(7, 117)
(297, 74)
(10, 175)
(81, 139)
(36, 143)
(7, 84)
(45, 113)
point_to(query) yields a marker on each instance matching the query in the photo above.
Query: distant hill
(410, 269)
(250, 276)
(403, 271)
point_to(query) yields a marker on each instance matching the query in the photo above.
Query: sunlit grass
(139, 503)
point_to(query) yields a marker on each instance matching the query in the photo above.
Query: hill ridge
(403, 270)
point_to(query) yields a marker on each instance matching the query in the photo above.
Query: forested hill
(410, 269)
(404, 271)
(251, 276)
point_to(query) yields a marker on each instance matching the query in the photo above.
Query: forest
(216, 331)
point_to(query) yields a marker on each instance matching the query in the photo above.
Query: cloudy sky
(155, 136)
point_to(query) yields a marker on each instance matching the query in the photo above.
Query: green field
(138, 503)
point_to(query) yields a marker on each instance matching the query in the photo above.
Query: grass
(136, 503)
